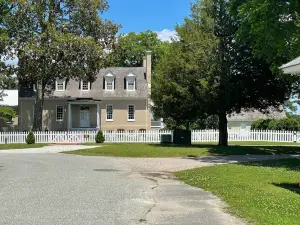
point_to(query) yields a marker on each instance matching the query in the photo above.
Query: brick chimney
(149, 68)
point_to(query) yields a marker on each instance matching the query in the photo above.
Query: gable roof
(252, 115)
(97, 92)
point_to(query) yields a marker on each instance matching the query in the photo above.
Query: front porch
(83, 115)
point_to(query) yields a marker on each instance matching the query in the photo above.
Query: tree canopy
(211, 72)
(270, 27)
(56, 39)
(130, 49)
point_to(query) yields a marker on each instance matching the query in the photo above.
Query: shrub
(99, 137)
(288, 124)
(285, 124)
(260, 124)
(30, 139)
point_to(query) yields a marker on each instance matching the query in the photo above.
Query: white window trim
(81, 86)
(113, 85)
(34, 87)
(56, 85)
(127, 85)
(112, 108)
(62, 113)
(130, 120)
(133, 77)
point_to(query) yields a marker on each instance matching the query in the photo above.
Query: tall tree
(271, 27)
(57, 39)
(130, 48)
(231, 78)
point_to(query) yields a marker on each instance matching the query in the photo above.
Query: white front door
(84, 118)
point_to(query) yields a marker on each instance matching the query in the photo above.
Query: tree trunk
(187, 125)
(38, 108)
(223, 133)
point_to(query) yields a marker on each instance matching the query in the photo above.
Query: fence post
(295, 136)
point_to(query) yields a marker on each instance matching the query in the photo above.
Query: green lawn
(19, 146)
(157, 150)
(264, 193)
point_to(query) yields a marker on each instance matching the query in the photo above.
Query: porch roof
(84, 100)
(292, 66)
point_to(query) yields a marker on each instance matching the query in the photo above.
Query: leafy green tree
(7, 113)
(130, 49)
(271, 28)
(261, 124)
(286, 124)
(57, 39)
(210, 72)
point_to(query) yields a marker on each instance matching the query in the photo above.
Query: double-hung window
(109, 113)
(60, 85)
(131, 113)
(85, 86)
(130, 82)
(130, 85)
(59, 113)
(109, 84)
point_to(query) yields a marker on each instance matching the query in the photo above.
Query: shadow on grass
(289, 186)
(239, 150)
(292, 164)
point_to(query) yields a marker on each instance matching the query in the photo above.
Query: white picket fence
(147, 137)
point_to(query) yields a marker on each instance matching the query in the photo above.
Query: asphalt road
(59, 189)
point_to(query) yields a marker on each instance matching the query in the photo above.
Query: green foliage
(271, 28)
(7, 113)
(56, 39)
(260, 124)
(210, 72)
(8, 82)
(30, 139)
(130, 49)
(211, 122)
(99, 137)
(295, 117)
(288, 124)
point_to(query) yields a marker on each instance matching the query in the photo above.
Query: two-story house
(118, 99)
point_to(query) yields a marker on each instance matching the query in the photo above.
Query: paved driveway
(68, 189)
(44, 188)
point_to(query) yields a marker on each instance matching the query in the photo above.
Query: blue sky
(141, 15)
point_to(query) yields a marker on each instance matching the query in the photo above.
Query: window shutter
(66, 83)
(103, 83)
(79, 84)
(90, 85)
(115, 83)
(135, 84)
(124, 82)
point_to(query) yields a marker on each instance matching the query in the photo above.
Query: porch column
(69, 116)
(98, 116)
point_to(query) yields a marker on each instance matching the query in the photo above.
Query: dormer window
(60, 85)
(130, 81)
(85, 85)
(109, 82)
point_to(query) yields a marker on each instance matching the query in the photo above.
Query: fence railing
(147, 136)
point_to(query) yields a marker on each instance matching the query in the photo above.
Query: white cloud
(166, 35)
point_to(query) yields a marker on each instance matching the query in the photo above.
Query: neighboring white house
(244, 119)
(291, 67)
(9, 98)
